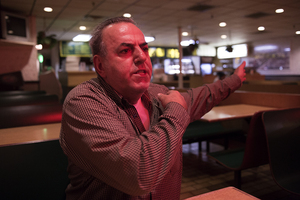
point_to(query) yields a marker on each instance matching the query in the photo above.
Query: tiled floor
(202, 175)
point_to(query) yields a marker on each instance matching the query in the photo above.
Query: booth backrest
(271, 86)
(25, 115)
(277, 100)
(20, 92)
(11, 81)
(17, 100)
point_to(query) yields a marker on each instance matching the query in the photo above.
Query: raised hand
(240, 71)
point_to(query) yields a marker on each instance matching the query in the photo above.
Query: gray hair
(96, 42)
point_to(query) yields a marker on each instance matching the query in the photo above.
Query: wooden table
(28, 134)
(228, 193)
(236, 111)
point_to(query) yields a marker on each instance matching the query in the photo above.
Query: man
(121, 133)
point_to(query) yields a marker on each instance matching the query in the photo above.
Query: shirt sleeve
(99, 138)
(202, 99)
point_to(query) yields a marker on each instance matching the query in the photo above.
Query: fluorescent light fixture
(261, 28)
(265, 48)
(82, 28)
(186, 43)
(222, 24)
(223, 36)
(298, 32)
(239, 50)
(185, 33)
(48, 9)
(128, 15)
(82, 38)
(149, 39)
(287, 49)
(206, 50)
(279, 10)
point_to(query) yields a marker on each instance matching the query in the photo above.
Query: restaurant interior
(246, 146)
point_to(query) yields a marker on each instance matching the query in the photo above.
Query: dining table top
(235, 111)
(227, 193)
(29, 134)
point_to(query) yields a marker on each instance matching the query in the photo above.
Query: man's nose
(139, 56)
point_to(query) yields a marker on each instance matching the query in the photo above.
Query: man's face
(127, 66)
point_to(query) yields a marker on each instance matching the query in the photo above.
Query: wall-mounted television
(14, 27)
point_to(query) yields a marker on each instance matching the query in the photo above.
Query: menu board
(70, 48)
(163, 52)
(172, 53)
(156, 52)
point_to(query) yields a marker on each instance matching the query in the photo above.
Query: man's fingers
(172, 96)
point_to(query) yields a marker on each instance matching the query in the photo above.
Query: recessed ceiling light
(298, 32)
(48, 9)
(185, 33)
(82, 28)
(223, 36)
(127, 15)
(222, 24)
(279, 10)
(39, 46)
(261, 28)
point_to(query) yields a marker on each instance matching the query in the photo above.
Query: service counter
(73, 78)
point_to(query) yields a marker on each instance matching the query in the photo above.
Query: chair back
(282, 129)
(33, 171)
(256, 151)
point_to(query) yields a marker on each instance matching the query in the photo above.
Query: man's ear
(99, 66)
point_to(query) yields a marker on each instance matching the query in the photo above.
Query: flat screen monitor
(172, 66)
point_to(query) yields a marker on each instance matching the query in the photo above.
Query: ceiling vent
(261, 32)
(257, 15)
(200, 8)
(92, 17)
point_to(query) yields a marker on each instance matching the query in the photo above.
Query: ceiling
(162, 18)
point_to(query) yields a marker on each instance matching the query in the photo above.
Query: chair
(33, 171)
(50, 83)
(199, 131)
(252, 155)
(282, 129)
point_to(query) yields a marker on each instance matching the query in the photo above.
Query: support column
(180, 77)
